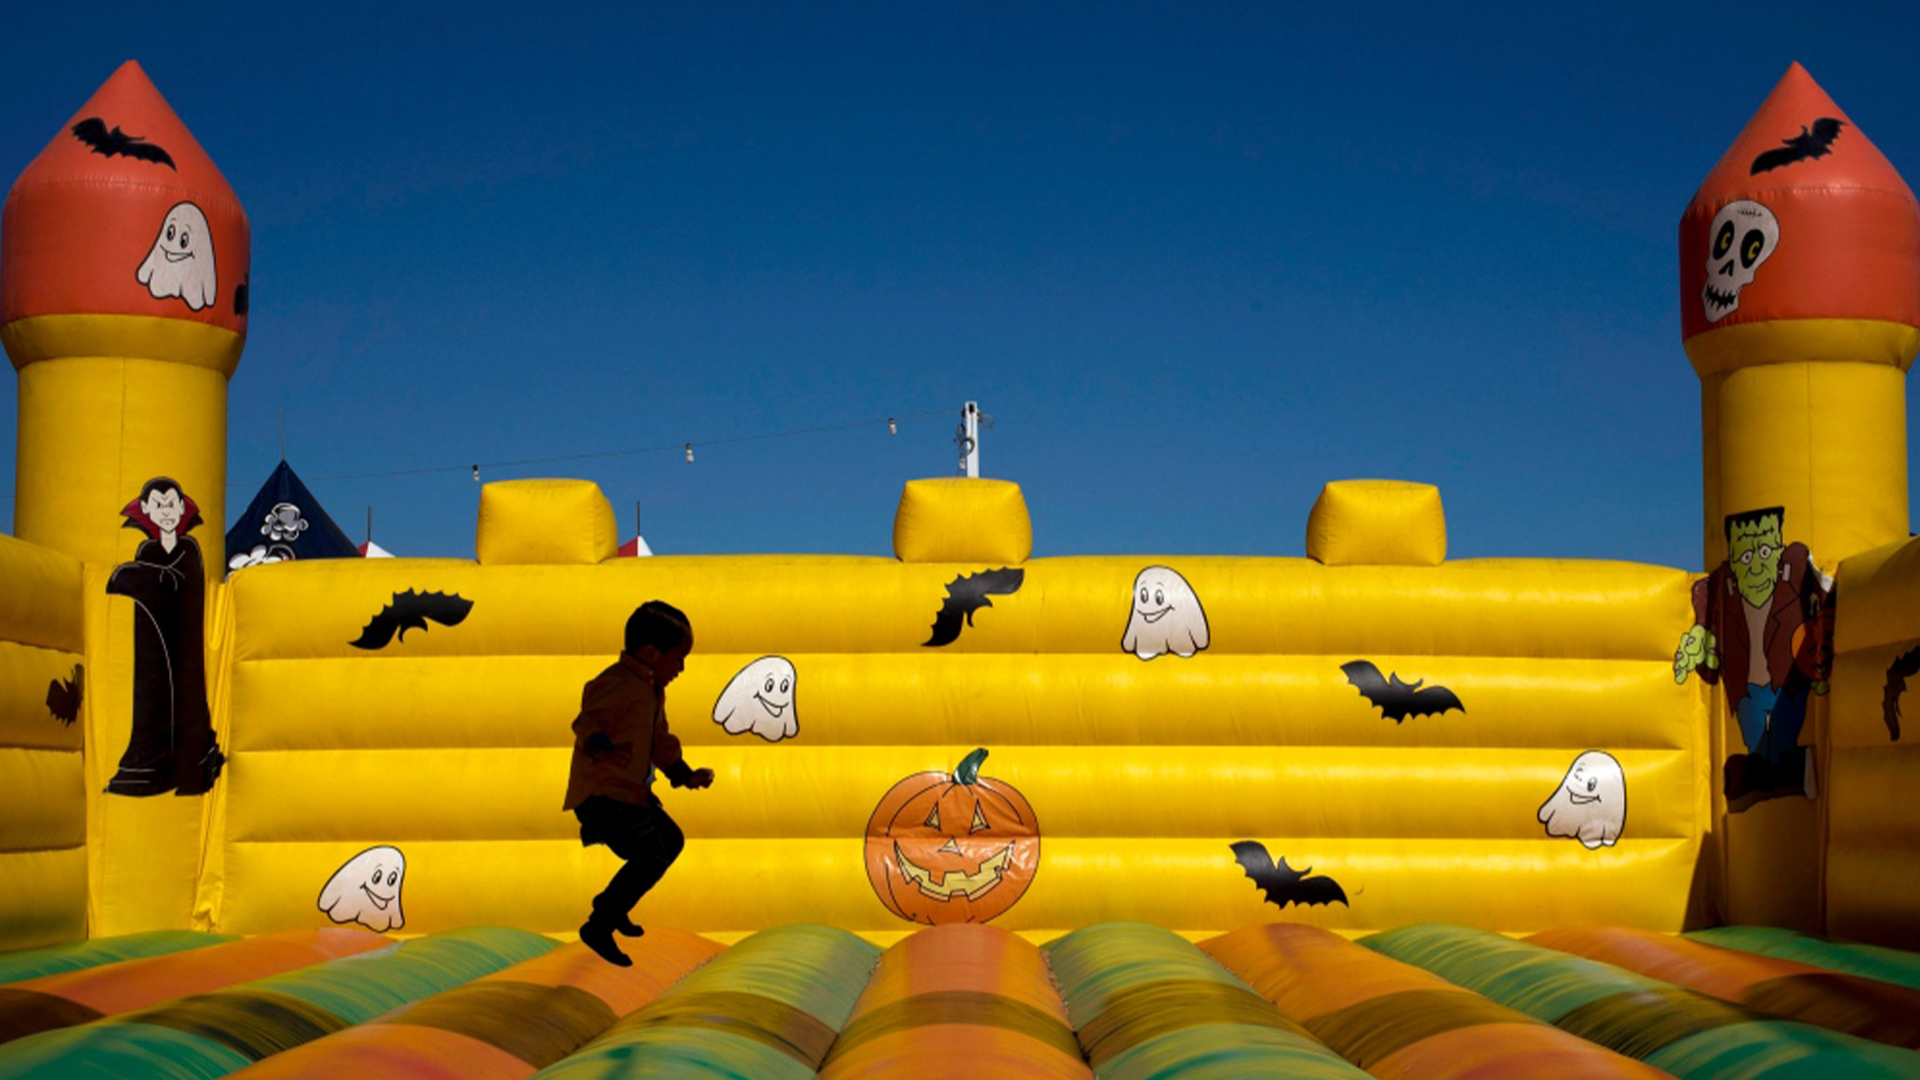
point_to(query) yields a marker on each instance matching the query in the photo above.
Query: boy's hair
(659, 624)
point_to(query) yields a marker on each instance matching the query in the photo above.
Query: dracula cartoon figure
(172, 746)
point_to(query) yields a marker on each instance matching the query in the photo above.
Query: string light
(892, 422)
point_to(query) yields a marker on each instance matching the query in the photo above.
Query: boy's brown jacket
(623, 702)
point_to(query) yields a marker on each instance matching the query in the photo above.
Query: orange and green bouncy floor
(1118, 1001)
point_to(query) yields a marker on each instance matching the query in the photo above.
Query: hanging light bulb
(892, 428)
(476, 474)
(689, 453)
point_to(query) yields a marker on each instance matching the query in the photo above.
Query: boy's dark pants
(642, 835)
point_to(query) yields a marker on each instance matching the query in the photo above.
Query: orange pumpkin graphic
(952, 848)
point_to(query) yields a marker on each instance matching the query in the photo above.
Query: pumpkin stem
(969, 771)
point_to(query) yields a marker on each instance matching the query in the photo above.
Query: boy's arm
(598, 708)
(667, 758)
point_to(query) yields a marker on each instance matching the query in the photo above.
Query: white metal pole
(970, 438)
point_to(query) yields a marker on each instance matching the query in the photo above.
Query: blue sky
(1195, 260)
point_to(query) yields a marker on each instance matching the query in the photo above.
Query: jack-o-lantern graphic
(952, 848)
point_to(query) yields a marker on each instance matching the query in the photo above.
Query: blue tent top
(284, 523)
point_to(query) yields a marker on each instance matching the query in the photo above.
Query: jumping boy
(619, 738)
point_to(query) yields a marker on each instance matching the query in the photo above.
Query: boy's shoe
(599, 938)
(626, 927)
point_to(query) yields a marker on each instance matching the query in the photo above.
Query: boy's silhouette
(619, 739)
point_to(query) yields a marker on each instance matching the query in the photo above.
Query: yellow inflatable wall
(450, 742)
(43, 717)
(1873, 815)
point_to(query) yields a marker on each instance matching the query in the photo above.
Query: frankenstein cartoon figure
(172, 747)
(1762, 630)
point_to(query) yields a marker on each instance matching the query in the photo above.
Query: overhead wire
(684, 446)
(891, 423)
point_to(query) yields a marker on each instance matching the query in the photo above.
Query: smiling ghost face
(1590, 805)
(367, 890)
(1166, 616)
(760, 699)
(181, 262)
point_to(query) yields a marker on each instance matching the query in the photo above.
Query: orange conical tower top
(1803, 218)
(123, 213)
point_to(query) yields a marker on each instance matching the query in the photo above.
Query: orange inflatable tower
(1800, 310)
(123, 305)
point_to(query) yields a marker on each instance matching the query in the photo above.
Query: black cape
(172, 747)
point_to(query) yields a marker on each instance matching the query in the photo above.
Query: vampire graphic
(172, 746)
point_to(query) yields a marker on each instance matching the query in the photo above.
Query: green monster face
(1753, 551)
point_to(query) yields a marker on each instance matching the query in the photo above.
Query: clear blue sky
(1194, 259)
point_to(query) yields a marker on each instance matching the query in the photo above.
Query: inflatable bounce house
(976, 814)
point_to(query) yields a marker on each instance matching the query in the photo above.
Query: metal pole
(970, 439)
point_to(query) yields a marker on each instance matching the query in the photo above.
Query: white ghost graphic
(367, 890)
(1590, 805)
(760, 700)
(181, 262)
(1167, 616)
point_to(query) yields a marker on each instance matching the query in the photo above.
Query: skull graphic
(283, 522)
(1744, 234)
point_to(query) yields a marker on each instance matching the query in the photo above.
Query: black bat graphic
(93, 131)
(1282, 883)
(968, 594)
(64, 696)
(1396, 699)
(1904, 665)
(410, 610)
(1805, 146)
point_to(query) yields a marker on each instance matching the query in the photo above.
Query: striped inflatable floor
(1117, 1001)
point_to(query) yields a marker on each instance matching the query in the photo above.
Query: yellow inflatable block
(1879, 804)
(722, 886)
(1085, 604)
(45, 900)
(545, 522)
(783, 796)
(39, 596)
(1870, 895)
(1882, 589)
(1857, 702)
(962, 520)
(43, 800)
(28, 677)
(997, 699)
(1377, 523)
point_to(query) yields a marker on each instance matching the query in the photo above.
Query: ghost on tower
(181, 261)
